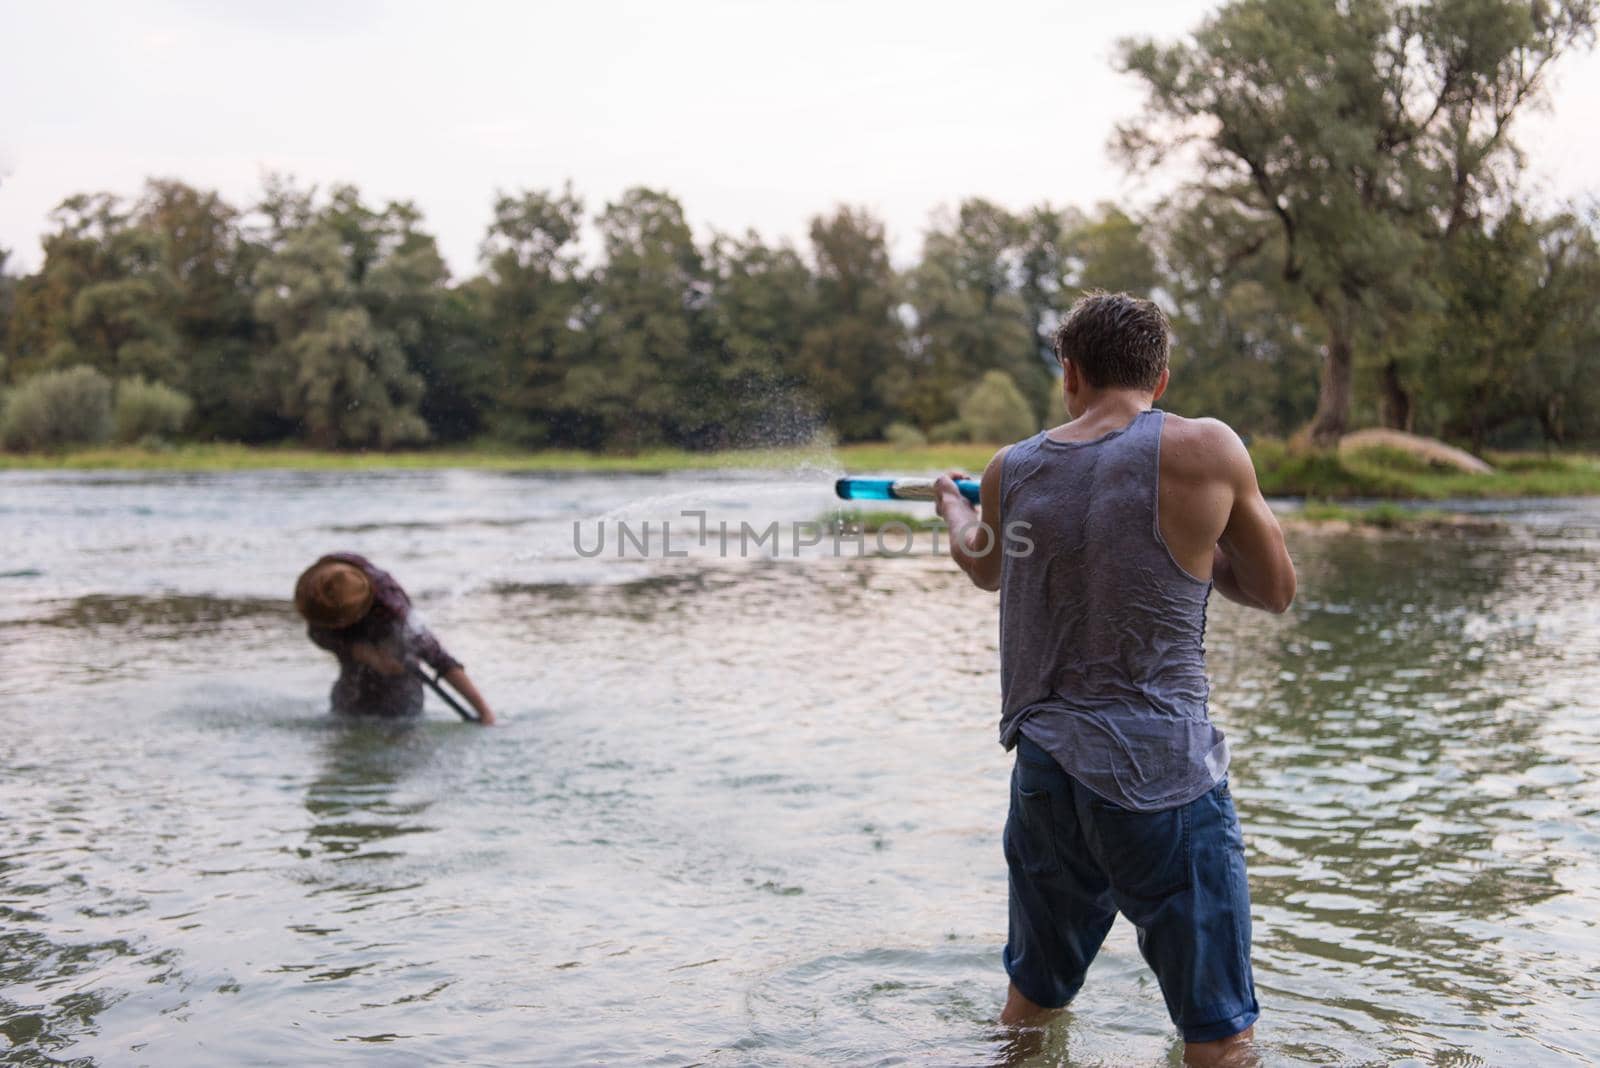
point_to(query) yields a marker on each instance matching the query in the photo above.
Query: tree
(1246, 342)
(207, 262)
(970, 314)
(8, 304)
(344, 292)
(1061, 255)
(646, 377)
(463, 390)
(1046, 272)
(763, 301)
(1109, 251)
(1563, 395)
(1519, 331)
(853, 358)
(1360, 131)
(101, 299)
(529, 301)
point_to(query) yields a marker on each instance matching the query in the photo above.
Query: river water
(744, 809)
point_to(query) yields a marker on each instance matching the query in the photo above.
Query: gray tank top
(1102, 656)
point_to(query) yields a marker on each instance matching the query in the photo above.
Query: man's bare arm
(1251, 564)
(457, 677)
(976, 540)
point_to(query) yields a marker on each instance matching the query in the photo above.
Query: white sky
(754, 113)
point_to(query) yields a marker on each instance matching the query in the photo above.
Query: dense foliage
(1365, 148)
(1352, 247)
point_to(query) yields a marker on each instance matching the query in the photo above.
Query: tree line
(1350, 246)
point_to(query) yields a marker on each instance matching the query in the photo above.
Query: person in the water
(359, 613)
(1119, 793)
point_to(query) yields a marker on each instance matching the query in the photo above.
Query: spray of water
(772, 466)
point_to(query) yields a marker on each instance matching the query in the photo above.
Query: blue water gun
(898, 489)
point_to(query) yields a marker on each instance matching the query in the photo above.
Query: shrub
(904, 436)
(149, 410)
(996, 410)
(58, 408)
(945, 433)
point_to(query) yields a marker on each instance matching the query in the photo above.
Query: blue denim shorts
(1076, 860)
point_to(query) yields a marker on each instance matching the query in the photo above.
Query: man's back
(1203, 464)
(1101, 624)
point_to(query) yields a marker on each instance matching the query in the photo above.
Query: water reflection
(357, 802)
(1394, 735)
(44, 1009)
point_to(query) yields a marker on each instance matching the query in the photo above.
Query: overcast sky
(755, 113)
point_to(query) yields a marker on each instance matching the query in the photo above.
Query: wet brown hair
(1116, 341)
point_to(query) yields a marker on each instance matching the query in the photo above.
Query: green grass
(1383, 473)
(232, 457)
(1396, 475)
(925, 459)
(1385, 516)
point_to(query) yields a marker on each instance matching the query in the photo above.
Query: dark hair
(1115, 340)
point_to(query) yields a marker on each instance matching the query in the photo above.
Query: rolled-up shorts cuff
(1026, 989)
(1226, 1027)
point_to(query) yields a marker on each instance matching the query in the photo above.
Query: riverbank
(1390, 474)
(1283, 472)
(232, 457)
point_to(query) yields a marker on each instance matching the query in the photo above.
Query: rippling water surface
(743, 811)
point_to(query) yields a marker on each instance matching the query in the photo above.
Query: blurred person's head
(333, 594)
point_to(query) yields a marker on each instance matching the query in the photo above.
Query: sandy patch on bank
(1429, 450)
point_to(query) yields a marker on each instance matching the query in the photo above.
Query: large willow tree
(1358, 135)
(345, 292)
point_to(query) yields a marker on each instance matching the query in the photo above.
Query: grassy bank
(1395, 475)
(1381, 473)
(227, 457)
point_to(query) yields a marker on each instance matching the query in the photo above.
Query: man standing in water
(1119, 794)
(359, 613)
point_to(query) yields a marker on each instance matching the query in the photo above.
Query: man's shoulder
(1202, 427)
(1201, 446)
